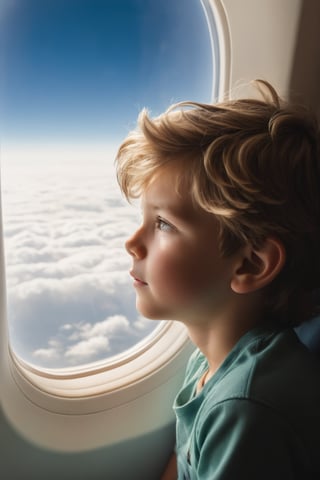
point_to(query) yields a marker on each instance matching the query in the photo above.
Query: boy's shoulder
(267, 365)
(272, 369)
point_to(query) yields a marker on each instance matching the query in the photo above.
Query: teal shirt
(257, 418)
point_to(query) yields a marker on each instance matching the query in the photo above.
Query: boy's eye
(163, 225)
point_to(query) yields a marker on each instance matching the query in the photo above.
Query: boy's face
(178, 271)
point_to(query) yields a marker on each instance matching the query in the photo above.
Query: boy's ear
(259, 266)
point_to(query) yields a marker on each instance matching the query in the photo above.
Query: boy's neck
(216, 338)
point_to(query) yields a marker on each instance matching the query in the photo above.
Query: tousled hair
(255, 165)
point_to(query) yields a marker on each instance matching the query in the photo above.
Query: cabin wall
(140, 458)
(263, 42)
(305, 72)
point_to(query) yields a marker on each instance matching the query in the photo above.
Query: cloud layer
(70, 298)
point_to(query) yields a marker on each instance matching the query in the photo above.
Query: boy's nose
(135, 246)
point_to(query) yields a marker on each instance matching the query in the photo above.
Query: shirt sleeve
(243, 439)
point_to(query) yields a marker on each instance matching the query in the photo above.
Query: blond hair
(255, 165)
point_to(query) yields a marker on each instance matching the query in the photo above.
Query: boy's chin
(151, 314)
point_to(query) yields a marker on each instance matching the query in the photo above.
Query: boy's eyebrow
(162, 205)
(181, 213)
(157, 207)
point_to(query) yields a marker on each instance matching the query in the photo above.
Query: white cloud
(88, 341)
(70, 295)
(96, 337)
(51, 353)
(86, 349)
(46, 354)
(106, 327)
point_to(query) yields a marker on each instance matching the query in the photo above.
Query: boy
(229, 245)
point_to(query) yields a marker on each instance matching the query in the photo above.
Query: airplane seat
(309, 332)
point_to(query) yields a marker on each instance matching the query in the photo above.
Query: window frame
(102, 386)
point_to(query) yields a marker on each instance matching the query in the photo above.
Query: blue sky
(79, 71)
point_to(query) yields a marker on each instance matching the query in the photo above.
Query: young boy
(229, 245)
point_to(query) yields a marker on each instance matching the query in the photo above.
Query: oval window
(75, 75)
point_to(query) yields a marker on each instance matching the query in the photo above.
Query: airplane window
(75, 74)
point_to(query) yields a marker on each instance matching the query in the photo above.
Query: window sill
(106, 385)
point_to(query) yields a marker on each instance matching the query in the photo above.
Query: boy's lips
(137, 280)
